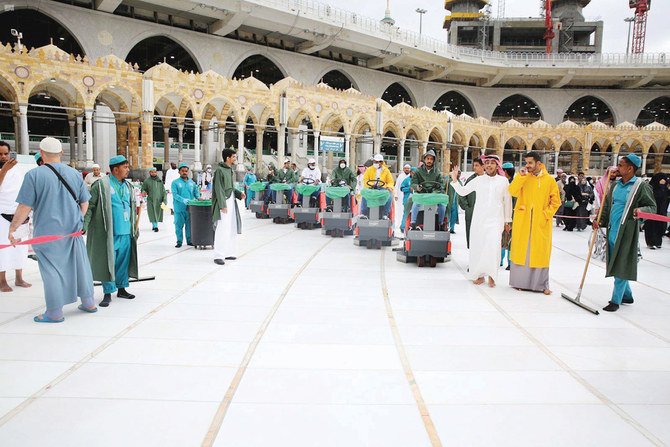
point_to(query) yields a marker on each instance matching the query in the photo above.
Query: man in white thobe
(171, 175)
(399, 195)
(492, 214)
(93, 176)
(225, 212)
(12, 258)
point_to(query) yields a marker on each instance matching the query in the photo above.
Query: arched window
(154, 50)
(38, 30)
(338, 80)
(261, 68)
(455, 103)
(658, 110)
(589, 109)
(396, 93)
(518, 107)
(46, 118)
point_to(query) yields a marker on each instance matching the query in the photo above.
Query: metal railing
(323, 12)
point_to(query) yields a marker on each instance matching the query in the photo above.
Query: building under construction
(471, 24)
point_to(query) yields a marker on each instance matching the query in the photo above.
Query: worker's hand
(224, 210)
(508, 228)
(8, 165)
(596, 224)
(11, 238)
(635, 213)
(244, 196)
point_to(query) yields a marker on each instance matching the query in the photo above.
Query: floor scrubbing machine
(280, 210)
(258, 205)
(338, 220)
(375, 230)
(306, 216)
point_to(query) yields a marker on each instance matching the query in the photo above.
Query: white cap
(311, 161)
(95, 166)
(407, 165)
(286, 160)
(51, 145)
(378, 157)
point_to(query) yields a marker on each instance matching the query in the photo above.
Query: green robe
(155, 190)
(222, 187)
(622, 262)
(346, 175)
(99, 230)
(468, 205)
(285, 177)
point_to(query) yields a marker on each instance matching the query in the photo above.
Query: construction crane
(641, 8)
(548, 25)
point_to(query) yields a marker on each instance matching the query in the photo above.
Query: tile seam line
(420, 402)
(219, 416)
(573, 373)
(31, 399)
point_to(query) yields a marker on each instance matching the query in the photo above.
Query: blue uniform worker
(249, 179)
(121, 210)
(183, 190)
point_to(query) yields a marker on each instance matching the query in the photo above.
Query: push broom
(577, 300)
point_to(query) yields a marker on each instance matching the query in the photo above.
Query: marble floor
(310, 341)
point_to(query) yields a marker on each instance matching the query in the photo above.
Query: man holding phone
(11, 179)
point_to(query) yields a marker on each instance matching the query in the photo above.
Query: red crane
(641, 8)
(549, 25)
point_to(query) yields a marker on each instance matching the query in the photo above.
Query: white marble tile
(533, 425)
(7, 404)
(463, 336)
(23, 378)
(451, 318)
(61, 348)
(612, 337)
(652, 417)
(479, 358)
(194, 330)
(632, 387)
(77, 422)
(615, 359)
(309, 356)
(333, 333)
(323, 425)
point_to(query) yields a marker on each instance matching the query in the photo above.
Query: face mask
(343, 165)
(311, 167)
(376, 165)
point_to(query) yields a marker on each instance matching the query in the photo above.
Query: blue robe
(64, 265)
(183, 191)
(121, 219)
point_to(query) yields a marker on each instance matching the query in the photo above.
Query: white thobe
(13, 258)
(399, 198)
(493, 209)
(170, 176)
(225, 237)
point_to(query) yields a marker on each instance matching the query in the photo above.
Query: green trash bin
(202, 230)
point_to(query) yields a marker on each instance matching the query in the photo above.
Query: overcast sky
(612, 12)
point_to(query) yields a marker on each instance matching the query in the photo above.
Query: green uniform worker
(156, 196)
(111, 231)
(342, 172)
(427, 173)
(468, 202)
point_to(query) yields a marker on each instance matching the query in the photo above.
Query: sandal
(86, 309)
(46, 319)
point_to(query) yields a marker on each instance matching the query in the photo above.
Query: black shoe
(123, 293)
(105, 300)
(190, 244)
(651, 247)
(627, 300)
(452, 232)
(155, 230)
(611, 307)
(219, 261)
(33, 257)
(178, 245)
(231, 258)
(508, 268)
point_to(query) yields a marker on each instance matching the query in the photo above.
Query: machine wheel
(433, 261)
(420, 261)
(258, 215)
(368, 244)
(378, 245)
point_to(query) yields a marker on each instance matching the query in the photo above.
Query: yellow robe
(539, 195)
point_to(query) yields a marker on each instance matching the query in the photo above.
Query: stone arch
(35, 11)
(455, 102)
(119, 98)
(64, 90)
(519, 107)
(324, 74)
(604, 111)
(298, 115)
(360, 124)
(221, 106)
(418, 132)
(393, 127)
(657, 110)
(398, 92)
(153, 36)
(251, 56)
(333, 122)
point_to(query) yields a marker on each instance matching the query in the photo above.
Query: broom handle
(595, 236)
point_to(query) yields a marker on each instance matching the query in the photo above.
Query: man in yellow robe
(538, 199)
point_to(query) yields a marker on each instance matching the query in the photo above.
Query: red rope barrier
(43, 240)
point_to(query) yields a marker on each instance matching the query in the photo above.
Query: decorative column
(347, 149)
(147, 155)
(377, 144)
(24, 141)
(465, 158)
(353, 152)
(293, 144)
(281, 143)
(197, 163)
(133, 144)
(644, 163)
(180, 139)
(556, 154)
(422, 149)
(205, 143)
(259, 144)
(73, 151)
(401, 155)
(317, 144)
(166, 149)
(574, 163)
(446, 159)
(80, 140)
(240, 142)
(222, 141)
(122, 139)
(89, 137)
